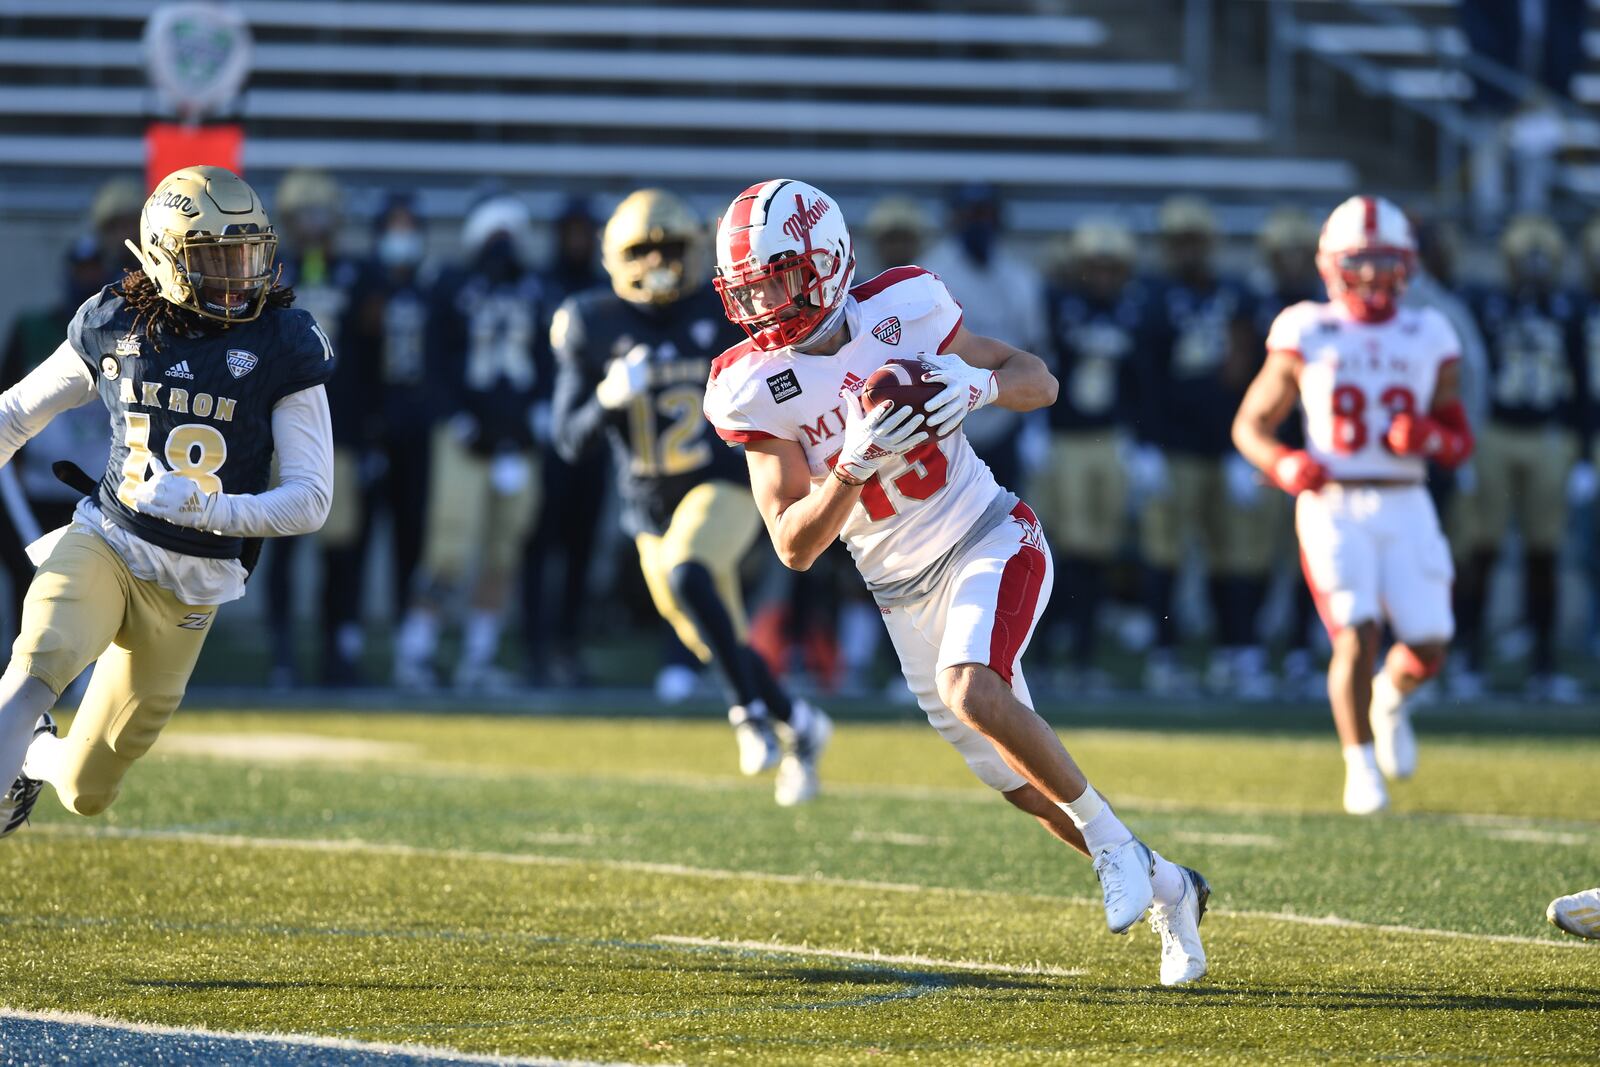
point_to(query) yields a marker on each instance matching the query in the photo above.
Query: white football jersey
(1356, 376)
(917, 506)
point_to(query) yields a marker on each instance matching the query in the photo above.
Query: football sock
(1082, 582)
(481, 639)
(1540, 593)
(696, 593)
(1386, 696)
(1158, 582)
(43, 758)
(1093, 816)
(777, 701)
(23, 698)
(1361, 756)
(418, 639)
(1166, 879)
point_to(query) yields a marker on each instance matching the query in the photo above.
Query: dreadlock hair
(154, 314)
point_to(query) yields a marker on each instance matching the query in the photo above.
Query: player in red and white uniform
(958, 565)
(1379, 388)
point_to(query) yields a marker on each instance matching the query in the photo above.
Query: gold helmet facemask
(207, 244)
(650, 247)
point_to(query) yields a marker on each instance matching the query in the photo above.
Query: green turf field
(609, 890)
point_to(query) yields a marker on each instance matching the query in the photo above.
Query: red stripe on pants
(1017, 602)
(1318, 597)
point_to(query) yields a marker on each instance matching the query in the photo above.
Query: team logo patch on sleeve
(241, 362)
(888, 331)
(110, 368)
(784, 386)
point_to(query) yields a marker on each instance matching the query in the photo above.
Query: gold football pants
(713, 525)
(84, 606)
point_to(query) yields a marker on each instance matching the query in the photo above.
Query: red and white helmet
(784, 263)
(1365, 255)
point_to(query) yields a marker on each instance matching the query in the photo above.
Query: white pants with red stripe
(984, 612)
(1374, 553)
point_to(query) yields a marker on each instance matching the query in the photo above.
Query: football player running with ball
(958, 565)
(208, 374)
(631, 364)
(1379, 387)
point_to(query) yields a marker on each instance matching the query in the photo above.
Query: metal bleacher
(1417, 51)
(916, 94)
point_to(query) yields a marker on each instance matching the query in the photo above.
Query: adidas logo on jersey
(180, 370)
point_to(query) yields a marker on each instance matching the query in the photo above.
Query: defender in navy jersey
(1539, 416)
(1096, 318)
(632, 362)
(207, 375)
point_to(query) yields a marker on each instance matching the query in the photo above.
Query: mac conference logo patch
(888, 331)
(784, 386)
(241, 362)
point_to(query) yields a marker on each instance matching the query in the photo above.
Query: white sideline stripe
(421, 1052)
(533, 859)
(913, 960)
(1229, 840)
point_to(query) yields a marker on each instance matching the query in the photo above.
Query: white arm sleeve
(60, 383)
(302, 436)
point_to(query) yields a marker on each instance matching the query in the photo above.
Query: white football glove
(1147, 472)
(177, 499)
(1582, 484)
(1243, 481)
(509, 473)
(966, 389)
(872, 437)
(625, 379)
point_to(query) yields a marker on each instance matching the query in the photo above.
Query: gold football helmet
(651, 247)
(206, 243)
(1528, 235)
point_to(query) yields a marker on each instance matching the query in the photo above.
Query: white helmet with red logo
(1365, 255)
(784, 263)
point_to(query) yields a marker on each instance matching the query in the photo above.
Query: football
(899, 381)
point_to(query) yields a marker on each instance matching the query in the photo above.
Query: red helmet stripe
(1370, 222)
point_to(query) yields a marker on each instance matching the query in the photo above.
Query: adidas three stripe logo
(180, 370)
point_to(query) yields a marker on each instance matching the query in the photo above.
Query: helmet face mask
(651, 247)
(206, 244)
(784, 263)
(780, 304)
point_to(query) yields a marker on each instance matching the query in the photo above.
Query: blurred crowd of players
(1168, 543)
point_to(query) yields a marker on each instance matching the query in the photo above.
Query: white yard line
(421, 1052)
(891, 837)
(532, 859)
(953, 794)
(1227, 840)
(975, 966)
(1536, 837)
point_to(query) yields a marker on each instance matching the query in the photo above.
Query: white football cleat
(1183, 957)
(758, 744)
(1393, 740)
(1124, 874)
(797, 772)
(16, 804)
(1364, 791)
(1578, 913)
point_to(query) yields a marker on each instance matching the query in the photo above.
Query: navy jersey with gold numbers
(200, 406)
(662, 442)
